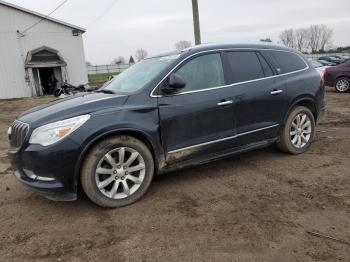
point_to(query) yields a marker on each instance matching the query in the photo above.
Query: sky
(120, 27)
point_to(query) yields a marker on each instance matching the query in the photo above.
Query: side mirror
(175, 84)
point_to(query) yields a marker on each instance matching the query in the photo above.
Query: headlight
(51, 133)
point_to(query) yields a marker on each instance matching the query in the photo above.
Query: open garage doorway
(47, 79)
(46, 67)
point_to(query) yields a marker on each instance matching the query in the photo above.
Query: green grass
(101, 77)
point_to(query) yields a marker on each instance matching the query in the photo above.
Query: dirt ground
(257, 208)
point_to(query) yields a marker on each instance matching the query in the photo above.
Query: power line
(35, 24)
(103, 13)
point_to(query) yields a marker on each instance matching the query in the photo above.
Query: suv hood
(71, 106)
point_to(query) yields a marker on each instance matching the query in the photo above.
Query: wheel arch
(308, 102)
(342, 76)
(140, 135)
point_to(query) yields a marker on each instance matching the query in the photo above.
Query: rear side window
(202, 72)
(245, 66)
(285, 62)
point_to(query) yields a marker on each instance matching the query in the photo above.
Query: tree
(320, 37)
(88, 63)
(183, 44)
(131, 61)
(315, 38)
(326, 37)
(141, 54)
(267, 40)
(288, 38)
(315, 32)
(302, 39)
(119, 60)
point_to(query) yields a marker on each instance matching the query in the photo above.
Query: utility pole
(197, 30)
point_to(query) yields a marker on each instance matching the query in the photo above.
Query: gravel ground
(257, 208)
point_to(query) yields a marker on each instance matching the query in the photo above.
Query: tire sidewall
(100, 150)
(291, 148)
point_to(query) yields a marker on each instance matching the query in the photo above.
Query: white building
(34, 48)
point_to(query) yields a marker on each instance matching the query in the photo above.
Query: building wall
(13, 50)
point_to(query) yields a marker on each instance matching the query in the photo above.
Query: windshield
(139, 75)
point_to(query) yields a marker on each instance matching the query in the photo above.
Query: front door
(198, 121)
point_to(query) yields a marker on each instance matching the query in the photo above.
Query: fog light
(45, 179)
(33, 176)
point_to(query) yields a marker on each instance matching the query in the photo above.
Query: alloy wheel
(342, 85)
(120, 173)
(300, 130)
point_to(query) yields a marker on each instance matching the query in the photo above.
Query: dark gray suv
(166, 113)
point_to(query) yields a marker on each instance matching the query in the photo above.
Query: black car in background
(326, 63)
(331, 59)
(166, 113)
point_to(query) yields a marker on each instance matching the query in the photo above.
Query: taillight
(325, 73)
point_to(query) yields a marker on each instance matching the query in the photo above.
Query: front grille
(19, 132)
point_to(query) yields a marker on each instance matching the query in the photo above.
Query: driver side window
(202, 72)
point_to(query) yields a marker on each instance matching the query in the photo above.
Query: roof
(41, 15)
(215, 46)
(218, 46)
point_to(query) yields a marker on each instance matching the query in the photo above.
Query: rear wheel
(342, 85)
(298, 131)
(117, 171)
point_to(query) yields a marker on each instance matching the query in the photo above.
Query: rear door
(198, 121)
(259, 98)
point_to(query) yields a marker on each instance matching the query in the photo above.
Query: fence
(107, 69)
(316, 56)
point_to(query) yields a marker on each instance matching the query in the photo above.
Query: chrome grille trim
(19, 133)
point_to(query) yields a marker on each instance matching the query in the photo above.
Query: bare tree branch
(315, 32)
(302, 39)
(181, 45)
(141, 54)
(326, 37)
(315, 37)
(288, 38)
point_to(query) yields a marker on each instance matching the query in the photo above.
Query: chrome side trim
(224, 103)
(235, 84)
(222, 139)
(276, 92)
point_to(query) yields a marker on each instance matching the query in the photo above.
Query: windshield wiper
(105, 91)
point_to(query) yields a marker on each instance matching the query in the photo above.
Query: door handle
(223, 103)
(276, 92)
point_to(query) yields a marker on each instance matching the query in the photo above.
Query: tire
(107, 182)
(57, 92)
(342, 85)
(291, 131)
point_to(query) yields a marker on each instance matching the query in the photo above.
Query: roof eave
(83, 30)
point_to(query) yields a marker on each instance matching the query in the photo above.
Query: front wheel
(117, 171)
(298, 131)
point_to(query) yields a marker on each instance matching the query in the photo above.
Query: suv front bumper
(48, 170)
